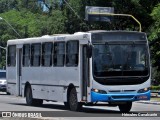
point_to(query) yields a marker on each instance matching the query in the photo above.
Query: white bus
(85, 68)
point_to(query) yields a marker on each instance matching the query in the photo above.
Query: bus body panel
(11, 80)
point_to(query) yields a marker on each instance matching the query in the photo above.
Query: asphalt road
(57, 111)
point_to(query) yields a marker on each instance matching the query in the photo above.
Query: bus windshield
(120, 60)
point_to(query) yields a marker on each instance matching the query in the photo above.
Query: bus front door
(85, 73)
(19, 72)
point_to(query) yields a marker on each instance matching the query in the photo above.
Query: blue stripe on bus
(98, 97)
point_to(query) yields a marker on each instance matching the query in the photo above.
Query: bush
(155, 87)
(155, 76)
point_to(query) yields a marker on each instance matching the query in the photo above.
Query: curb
(149, 102)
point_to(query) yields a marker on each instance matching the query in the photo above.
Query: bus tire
(74, 105)
(125, 108)
(30, 100)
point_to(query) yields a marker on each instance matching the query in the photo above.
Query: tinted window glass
(47, 54)
(72, 53)
(2, 74)
(35, 54)
(26, 55)
(11, 58)
(59, 53)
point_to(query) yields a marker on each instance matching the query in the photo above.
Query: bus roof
(64, 37)
(114, 31)
(48, 38)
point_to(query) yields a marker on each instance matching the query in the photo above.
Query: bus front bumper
(98, 97)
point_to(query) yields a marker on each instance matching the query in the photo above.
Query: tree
(155, 38)
(155, 27)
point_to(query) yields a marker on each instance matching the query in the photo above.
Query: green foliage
(155, 76)
(155, 28)
(155, 36)
(56, 22)
(155, 87)
(28, 21)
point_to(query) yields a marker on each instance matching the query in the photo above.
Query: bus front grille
(118, 91)
(123, 97)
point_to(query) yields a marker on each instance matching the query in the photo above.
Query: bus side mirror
(89, 51)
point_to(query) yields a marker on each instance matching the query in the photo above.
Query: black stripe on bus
(49, 85)
(11, 83)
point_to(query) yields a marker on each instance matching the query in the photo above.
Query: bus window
(72, 53)
(35, 54)
(59, 53)
(47, 54)
(26, 55)
(11, 59)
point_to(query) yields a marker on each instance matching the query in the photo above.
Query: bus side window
(11, 58)
(59, 53)
(26, 55)
(72, 53)
(47, 54)
(35, 54)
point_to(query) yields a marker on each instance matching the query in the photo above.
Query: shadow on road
(62, 107)
(48, 106)
(53, 110)
(85, 112)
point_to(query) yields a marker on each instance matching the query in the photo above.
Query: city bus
(85, 68)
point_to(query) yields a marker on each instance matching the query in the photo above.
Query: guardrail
(155, 93)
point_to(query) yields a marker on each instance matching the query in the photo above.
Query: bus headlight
(143, 90)
(99, 91)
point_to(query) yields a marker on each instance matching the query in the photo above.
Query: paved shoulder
(150, 102)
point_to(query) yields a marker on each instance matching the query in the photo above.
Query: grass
(156, 98)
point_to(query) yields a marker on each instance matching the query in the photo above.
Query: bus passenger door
(19, 71)
(85, 73)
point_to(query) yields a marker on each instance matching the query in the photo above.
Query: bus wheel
(74, 105)
(125, 108)
(30, 100)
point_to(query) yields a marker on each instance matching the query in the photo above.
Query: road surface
(57, 111)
